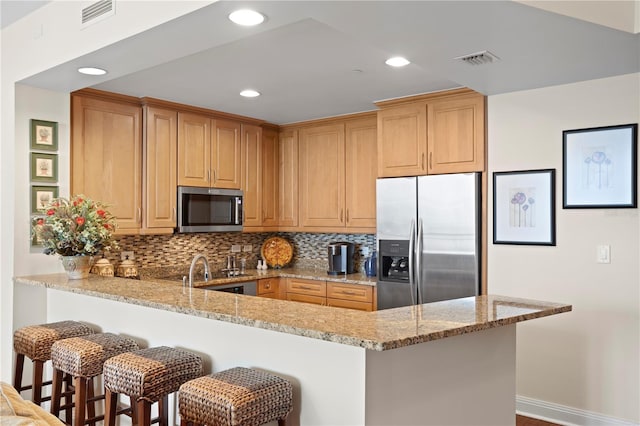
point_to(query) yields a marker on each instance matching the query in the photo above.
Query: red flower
(40, 222)
(80, 220)
(107, 226)
(51, 212)
(101, 213)
(77, 201)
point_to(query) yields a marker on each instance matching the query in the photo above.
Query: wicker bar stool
(234, 397)
(34, 342)
(148, 376)
(83, 358)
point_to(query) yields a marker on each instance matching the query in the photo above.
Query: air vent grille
(102, 8)
(479, 58)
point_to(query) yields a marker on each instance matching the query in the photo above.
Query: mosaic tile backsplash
(310, 249)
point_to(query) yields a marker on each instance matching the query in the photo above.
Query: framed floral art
(44, 135)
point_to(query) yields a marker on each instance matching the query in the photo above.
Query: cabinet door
(310, 287)
(269, 287)
(456, 137)
(269, 177)
(226, 154)
(350, 304)
(361, 172)
(353, 292)
(322, 179)
(160, 163)
(304, 298)
(106, 157)
(288, 179)
(252, 174)
(402, 140)
(194, 150)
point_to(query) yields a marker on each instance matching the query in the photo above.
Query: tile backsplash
(310, 249)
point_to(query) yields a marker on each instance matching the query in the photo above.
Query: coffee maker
(340, 258)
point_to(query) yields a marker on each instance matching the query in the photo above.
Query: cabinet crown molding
(425, 97)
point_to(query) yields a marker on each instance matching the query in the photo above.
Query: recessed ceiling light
(246, 17)
(249, 93)
(397, 61)
(92, 71)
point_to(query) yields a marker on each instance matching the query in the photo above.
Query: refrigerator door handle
(419, 262)
(412, 245)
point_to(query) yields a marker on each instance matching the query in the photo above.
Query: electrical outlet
(603, 253)
(236, 248)
(247, 248)
(124, 255)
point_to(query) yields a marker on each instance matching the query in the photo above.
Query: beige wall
(586, 359)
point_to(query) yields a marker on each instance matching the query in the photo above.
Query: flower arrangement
(77, 226)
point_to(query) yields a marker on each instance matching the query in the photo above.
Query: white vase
(77, 267)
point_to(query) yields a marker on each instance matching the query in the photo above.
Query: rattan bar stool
(234, 397)
(83, 358)
(148, 376)
(34, 342)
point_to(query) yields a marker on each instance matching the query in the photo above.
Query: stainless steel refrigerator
(428, 236)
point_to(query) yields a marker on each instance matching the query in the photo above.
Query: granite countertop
(155, 274)
(378, 330)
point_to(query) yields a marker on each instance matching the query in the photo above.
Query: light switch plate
(236, 248)
(124, 254)
(247, 248)
(604, 254)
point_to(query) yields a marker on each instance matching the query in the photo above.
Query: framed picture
(524, 208)
(44, 135)
(41, 196)
(600, 167)
(35, 241)
(44, 167)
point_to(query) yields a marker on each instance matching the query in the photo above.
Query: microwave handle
(238, 215)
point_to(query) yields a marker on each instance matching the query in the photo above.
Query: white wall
(46, 38)
(587, 359)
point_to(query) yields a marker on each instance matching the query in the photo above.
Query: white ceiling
(316, 59)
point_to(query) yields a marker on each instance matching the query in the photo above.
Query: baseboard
(564, 415)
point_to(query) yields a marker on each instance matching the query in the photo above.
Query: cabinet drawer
(268, 286)
(305, 298)
(353, 292)
(350, 304)
(309, 287)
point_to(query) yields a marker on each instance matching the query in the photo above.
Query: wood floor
(528, 421)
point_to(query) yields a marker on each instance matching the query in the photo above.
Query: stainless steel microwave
(209, 209)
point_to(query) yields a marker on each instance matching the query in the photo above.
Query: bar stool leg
(110, 407)
(91, 403)
(163, 411)
(80, 383)
(17, 375)
(55, 393)
(36, 388)
(68, 398)
(282, 422)
(143, 412)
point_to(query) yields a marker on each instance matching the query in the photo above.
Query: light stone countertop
(378, 330)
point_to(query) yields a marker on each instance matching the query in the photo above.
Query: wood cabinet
(435, 133)
(106, 156)
(307, 291)
(259, 181)
(208, 151)
(159, 177)
(352, 296)
(338, 175)
(269, 287)
(288, 179)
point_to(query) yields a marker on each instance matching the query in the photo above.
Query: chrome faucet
(192, 267)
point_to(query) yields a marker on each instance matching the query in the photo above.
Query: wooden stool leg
(110, 406)
(56, 393)
(36, 387)
(17, 375)
(134, 410)
(68, 398)
(143, 413)
(80, 383)
(163, 411)
(282, 422)
(91, 406)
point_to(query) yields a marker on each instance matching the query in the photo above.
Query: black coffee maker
(340, 258)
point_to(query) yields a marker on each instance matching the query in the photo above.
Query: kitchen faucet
(192, 267)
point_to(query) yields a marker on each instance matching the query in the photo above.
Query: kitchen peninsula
(445, 363)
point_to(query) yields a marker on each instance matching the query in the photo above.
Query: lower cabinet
(269, 288)
(341, 295)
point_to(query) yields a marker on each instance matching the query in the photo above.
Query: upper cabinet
(288, 179)
(270, 181)
(208, 151)
(106, 156)
(159, 177)
(432, 134)
(337, 177)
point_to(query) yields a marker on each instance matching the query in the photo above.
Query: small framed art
(44, 167)
(600, 167)
(44, 135)
(41, 196)
(524, 207)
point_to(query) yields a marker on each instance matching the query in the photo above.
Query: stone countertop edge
(377, 330)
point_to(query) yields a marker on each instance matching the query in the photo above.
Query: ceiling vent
(479, 58)
(98, 11)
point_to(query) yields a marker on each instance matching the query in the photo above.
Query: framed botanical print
(44, 135)
(44, 167)
(41, 196)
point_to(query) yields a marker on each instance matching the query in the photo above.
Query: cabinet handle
(350, 293)
(267, 286)
(422, 162)
(347, 215)
(173, 213)
(139, 215)
(341, 215)
(431, 160)
(215, 176)
(208, 175)
(304, 287)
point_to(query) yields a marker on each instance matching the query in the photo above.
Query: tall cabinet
(106, 155)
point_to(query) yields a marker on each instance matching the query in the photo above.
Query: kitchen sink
(199, 277)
